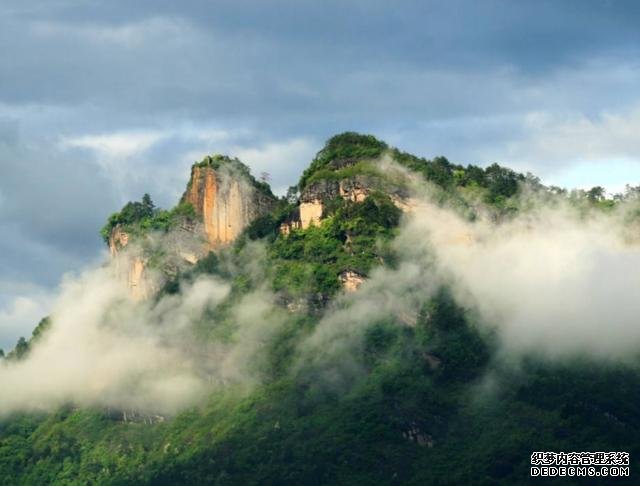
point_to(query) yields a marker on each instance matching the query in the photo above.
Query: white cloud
(281, 160)
(115, 145)
(552, 282)
(572, 149)
(579, 137)
(126, 35)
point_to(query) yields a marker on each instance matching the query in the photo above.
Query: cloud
(115, 145)
(551, 282)
(102, 351)
(577, 137)
(279, 160)
(129, 35)
(106, 348)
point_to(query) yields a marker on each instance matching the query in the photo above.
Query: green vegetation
(348, 145)
(137, 218)
(360, 168)
(404, 421)
(351, 237)
(22, 347)
(429, 403)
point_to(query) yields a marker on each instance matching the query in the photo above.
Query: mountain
(392, 320)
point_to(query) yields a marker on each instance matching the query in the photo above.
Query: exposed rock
(191, 258)
(118, 239)
(226, 202)
(138, 284)
(310, 213)
(351, 280)
(293, 222)
(355, 189)
(129, 266)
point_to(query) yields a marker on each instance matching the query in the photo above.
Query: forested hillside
(380, 324)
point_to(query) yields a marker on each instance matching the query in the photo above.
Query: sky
(102, 101)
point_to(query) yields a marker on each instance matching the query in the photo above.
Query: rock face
(129, 266)
(118, 239)
(310, 213)
(138, 284)
(356, 189)
(226, 202)
(351, 280)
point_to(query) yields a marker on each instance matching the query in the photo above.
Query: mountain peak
(226, 197)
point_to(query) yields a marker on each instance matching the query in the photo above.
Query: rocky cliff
(130, 265)
(226, 199)
(355, 188)
(221, 199)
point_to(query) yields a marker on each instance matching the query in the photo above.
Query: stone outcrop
(118, 239)
(356, 189)
(139, 286)
(351, 280)
(225, 201)
(129, 266)
(310, 213)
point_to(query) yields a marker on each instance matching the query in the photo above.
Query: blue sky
(101, 101)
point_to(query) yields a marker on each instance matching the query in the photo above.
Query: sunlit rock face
(351, 280)
(226, 203)
(310, 213)
(311, 209)
(118, 239)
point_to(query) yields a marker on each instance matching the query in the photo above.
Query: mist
(554, 282)
(107, 349)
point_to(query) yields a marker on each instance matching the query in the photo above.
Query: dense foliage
(141, 217)
(348, 145)
(352, 237)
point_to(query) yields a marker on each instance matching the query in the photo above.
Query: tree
(596, 194)
(148, 207)
(292, 195)
(22, 347)
(501, 181)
